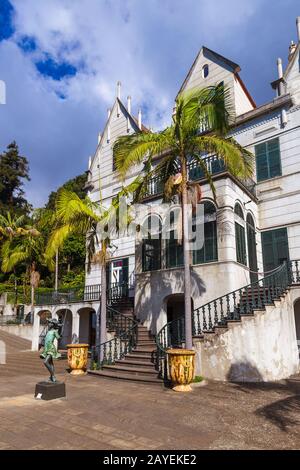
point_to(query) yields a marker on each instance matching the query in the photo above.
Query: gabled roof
(133, 122)
(132, 118)
(206, 51)
(292, 61)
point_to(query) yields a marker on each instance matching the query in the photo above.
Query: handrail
(229, 307)
(124, 341)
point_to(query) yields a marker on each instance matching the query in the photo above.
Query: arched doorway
(297, 321)
(87, 326)
(175, 315)
(65, 316)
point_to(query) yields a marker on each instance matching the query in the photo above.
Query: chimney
(292, 49)
(108, 113)
(119, 90)
(140, 119)
(279, 68)
(99, 137)
(129, 104)
(90, 162)
(298, 28)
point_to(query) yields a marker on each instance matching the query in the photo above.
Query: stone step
(147, 378)
(146, 342)
(131, 370)
(145, 347)
(139, 357)
(128, 362)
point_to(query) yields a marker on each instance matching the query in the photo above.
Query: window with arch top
(151, 244)
(209, 250)
(174, 246)
(240, 238)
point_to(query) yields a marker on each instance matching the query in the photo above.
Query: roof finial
(119, 90)
(140, 119)
(129, 104)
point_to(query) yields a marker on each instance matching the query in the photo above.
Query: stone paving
(100, 413)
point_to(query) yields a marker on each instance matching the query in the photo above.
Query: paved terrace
(104, 414)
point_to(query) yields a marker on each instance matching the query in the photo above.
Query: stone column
(75, 324)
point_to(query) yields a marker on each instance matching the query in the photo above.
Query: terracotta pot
(181, 368)
(78, 358)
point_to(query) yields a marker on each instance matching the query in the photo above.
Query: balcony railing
(70, 295)
(92, 293)
(214, 165)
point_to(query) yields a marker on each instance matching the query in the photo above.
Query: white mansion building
(254, 229)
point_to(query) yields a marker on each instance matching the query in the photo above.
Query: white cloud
(147, 44)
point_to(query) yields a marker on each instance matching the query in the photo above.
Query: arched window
(209, 250)
(251, 242)
(240, 239)
(205, 71)
(238, 210)
(174, 245)
(151, 244)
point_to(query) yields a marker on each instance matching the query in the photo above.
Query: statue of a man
(50, 350)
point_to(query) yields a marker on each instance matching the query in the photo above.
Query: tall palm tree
(23, 244)
(82, 216)
(200, 126)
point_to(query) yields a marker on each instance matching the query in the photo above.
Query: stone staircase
(21, 361)
(139, 365)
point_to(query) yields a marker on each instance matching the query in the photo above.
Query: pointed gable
(210, 68)
(120, 122)
(292, 75)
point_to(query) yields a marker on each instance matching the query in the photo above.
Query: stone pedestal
(50, 390)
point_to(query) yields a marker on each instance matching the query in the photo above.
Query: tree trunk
(186, 259)
(32, 305)
(103, 336)
(56, 270)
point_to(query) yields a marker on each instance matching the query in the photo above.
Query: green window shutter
(268, 163)
(275, 248)
(209, 251)
(151, 255)
(240, 242)
(174, 252)
(274, 158)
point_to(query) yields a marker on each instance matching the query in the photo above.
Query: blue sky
(61, 59)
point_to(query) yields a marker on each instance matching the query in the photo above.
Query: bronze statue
(50, 352)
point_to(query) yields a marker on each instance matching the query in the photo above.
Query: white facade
(276, 203)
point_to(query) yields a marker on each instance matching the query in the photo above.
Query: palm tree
(200, 126)
(82, 216)
(23, 244)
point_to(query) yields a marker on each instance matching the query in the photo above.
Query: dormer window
(205, 71)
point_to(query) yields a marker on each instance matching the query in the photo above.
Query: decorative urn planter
(78, 358)
(181, 368)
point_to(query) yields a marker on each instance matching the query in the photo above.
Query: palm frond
(206, 109)
(57, 239)
(131, 150)
(69, 207)
(238, 160)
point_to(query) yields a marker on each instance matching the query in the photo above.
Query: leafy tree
(72, 253)
(14, 169)
(82, 216)
(75, 185)
(200, 125)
